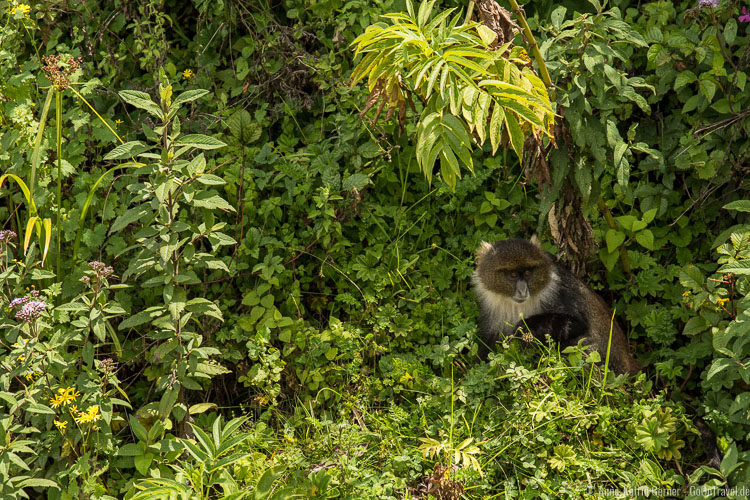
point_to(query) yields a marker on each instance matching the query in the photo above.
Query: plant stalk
(531, 41)
(58, 115)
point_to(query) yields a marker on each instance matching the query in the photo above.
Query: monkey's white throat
(504, 312)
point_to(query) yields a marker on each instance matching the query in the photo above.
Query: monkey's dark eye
(513, 274)
(527, 273)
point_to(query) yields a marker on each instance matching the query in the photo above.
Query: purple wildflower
(96, 266)
(34, 293)
(7, 235)
(31, 311)
(17, 302)
(708, 3)
(101, 269)
(745, 17)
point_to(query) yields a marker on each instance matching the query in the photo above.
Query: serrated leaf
(740, 267)
(356, 181)
(242, 126)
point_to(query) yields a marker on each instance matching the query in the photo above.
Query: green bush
(253, 290)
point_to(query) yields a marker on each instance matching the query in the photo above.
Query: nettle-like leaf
(471, 92)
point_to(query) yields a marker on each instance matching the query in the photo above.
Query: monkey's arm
(565, 329)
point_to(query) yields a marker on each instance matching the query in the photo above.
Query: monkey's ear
(484, 249)
(535, 241)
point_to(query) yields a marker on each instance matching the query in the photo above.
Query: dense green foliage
(218, 280)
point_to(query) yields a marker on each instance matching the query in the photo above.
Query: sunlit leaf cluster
(469, 92)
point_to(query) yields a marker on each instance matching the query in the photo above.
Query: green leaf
(142, 317)
(210, 180)
(649, 215)
(127, 150)
(143, 463)
(143, 101)
(200, 305)
(38, 140)
(496, 127)
(730, 31)
(738, 205)
(356, 181)
(694, 326)
(645, 238)
(516, 135)
(486, 34)
(199, 141)
(242, 126)
(620, 150)
(741, 267)
(188, 96)
(40, 408)
(138, 213)
(481, 110)
(211, 201)
(201, 408)
(130, 450)
(558, 16)
(683, 78)
(614, 239)
(37, 482)
(425, 9)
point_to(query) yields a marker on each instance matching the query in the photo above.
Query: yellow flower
(188, 74)
(60, 425)
(118, 121)
(721, 302)
(90, 415)
(64, 397)
(21, 8)
(21, 358)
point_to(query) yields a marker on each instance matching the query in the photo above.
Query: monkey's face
(516, 269)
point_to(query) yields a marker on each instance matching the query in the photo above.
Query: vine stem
(469, 10)
(531, 42)
(58, 137)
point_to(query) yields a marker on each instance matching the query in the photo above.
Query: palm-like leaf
(466, 87)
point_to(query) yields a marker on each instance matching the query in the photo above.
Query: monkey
(520, 286)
